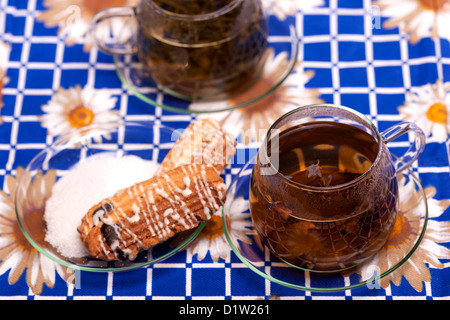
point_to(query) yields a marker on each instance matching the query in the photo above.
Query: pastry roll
(152, 211)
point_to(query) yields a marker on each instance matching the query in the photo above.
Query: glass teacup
(323, 192)
(194, 49)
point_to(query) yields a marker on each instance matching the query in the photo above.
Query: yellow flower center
(437, 113)
(80, 117)
(433, 5)
(213, 228)
(401, 231)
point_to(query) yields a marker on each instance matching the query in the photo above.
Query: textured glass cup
(193, 50)
(324, 192)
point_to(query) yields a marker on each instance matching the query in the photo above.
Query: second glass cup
(196, 49)
(323, 192)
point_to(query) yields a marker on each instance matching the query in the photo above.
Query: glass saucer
(146, 140)
(283, 40)
(249, 249)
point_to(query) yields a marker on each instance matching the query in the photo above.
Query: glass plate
(283, 40)
(146, 140)
(258, 258)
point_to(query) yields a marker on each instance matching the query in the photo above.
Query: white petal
(440, 133)
(11, 261)
(219, 248)
(48, 268)
(434, 209)
(238, 207)
(200, 248)
(34, 269)
(5, 241)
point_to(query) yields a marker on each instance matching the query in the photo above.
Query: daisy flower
(284, 8)
(406, 229)
(212, 238)
(16, 253)
(419, 18)
(428, 107)
(73, 17)
(252, 122)
(77, 108)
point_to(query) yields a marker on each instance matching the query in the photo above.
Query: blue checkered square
(353, 77)
(130, 284)
(349, 4)
(425, 48)
(92, 284)
(350, 24)
(168, 281)
(14, 25)
(70, 77)
(388, 77)
(446, 72)
(440, 286)
(75, 53)
(39, 78)
(352, 51)
(316, 25)
(32, 104)
(356, 101)
(104, 78)
(23, 156)
(13, 78)
(445, 48)
(424, 73)
(322, 78)
(214, 286)
(9, 101)
(242, 278)
(16, 51)
(5, 130)
(437, 181)
(31, 132)
(136, 106)
(317, 51)
(279, 27)
(42, 30)
(42, 52)
(389, 50)
(434, 155)
(387, 103)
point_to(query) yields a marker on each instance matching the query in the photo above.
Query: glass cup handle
(415, 148)
(114, 47)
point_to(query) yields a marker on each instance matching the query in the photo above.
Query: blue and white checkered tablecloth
(371, 56)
